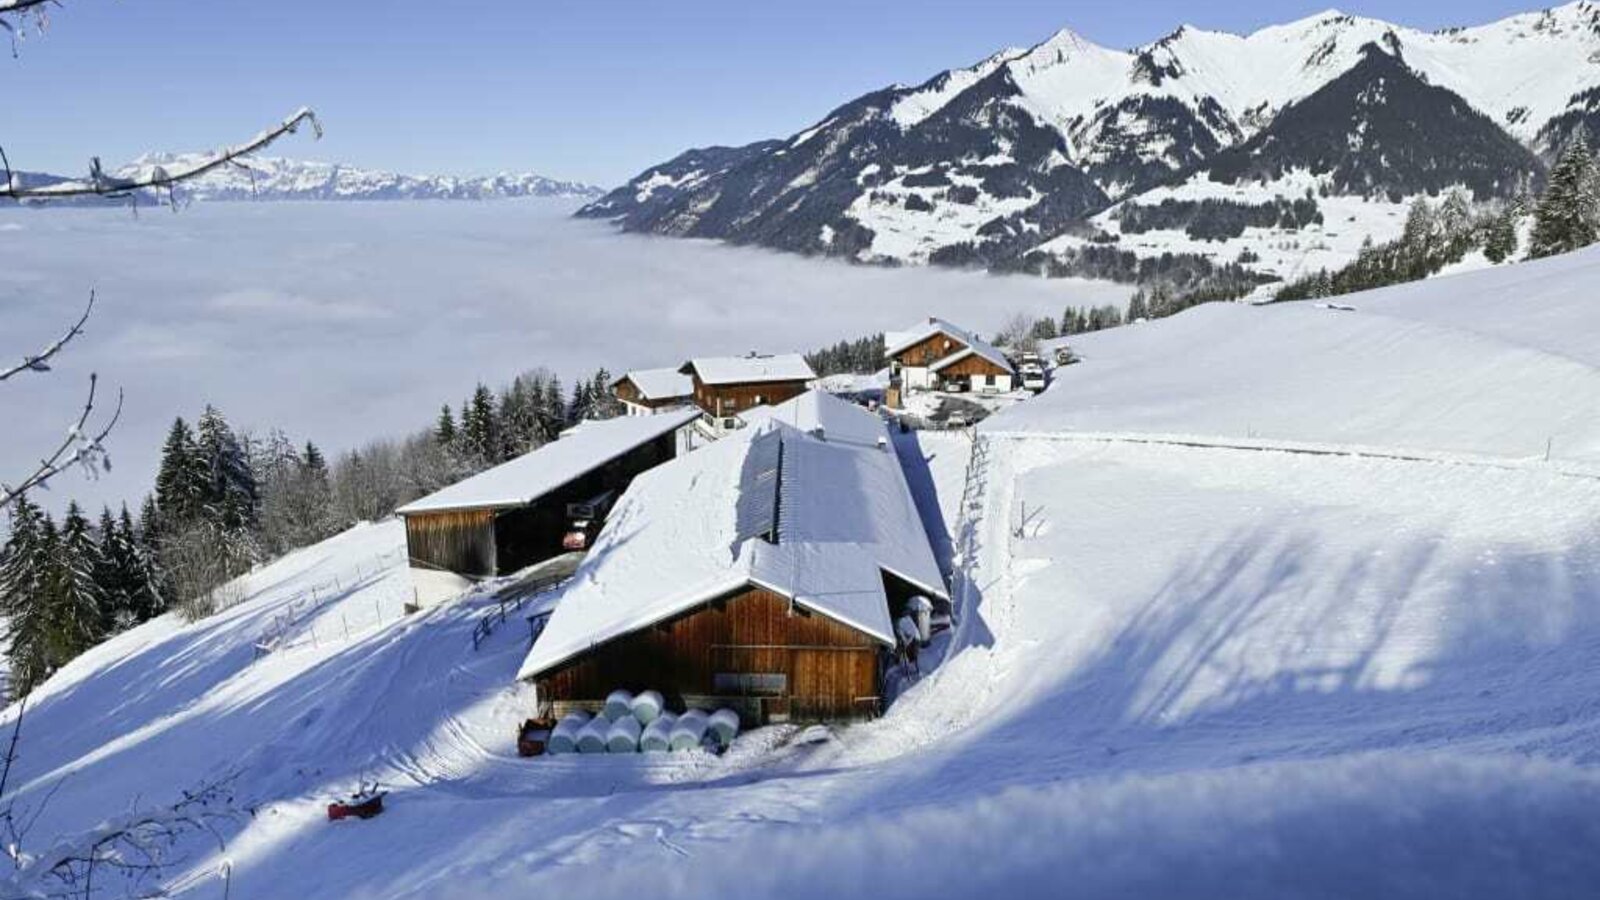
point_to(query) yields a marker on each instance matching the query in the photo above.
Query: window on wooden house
(748, 684)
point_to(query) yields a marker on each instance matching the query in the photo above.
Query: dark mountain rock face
(1379, 130)
(985, 166)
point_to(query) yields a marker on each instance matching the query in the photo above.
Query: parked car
(1033, 378)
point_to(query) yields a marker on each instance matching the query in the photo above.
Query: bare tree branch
(103, 185)
(78, 448)
(40, 363)
(16, 6)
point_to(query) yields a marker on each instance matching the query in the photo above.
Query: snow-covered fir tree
(231, 491)
(1568, 214)
(76, 613)
(25, 586)
(182, 482)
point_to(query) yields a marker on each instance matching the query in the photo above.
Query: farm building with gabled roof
(725, 387)
(644, 392)
(515, 514)
(936, 355)
(762, 572)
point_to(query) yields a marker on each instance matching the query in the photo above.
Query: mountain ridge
(990, 163)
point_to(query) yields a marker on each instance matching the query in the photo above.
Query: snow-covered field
(1201, 668)
(341, 322)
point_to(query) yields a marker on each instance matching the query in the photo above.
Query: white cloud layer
(343, 322)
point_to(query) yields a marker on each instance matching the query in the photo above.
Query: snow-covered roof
(659, 384)
(531, 475)
(749, 369)
(673, 542)
(823, 415)
(898, 341)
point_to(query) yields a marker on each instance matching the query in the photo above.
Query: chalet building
(645, 392)
(725, 387)
(516, 514)
(937, 355)
(761, 573)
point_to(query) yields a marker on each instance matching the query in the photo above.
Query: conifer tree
(1500, 236)
(1567, 216)
(145, 599)
(479, 429)
(445, 431)
(231, 491)
(555, 409)
(182, 486)
(25, 585)
(76, 616)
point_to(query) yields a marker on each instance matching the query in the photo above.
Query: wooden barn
(937, 355)
(760, 573)
(644, 392)
(724, 387)
(515, 514)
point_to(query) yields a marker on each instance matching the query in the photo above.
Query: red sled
(360, 809)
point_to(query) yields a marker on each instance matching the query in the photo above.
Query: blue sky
(587, 90)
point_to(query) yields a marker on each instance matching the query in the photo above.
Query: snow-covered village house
(645, 392)
(517, 513)
(761, 572)
(726, 386)
(937, 355)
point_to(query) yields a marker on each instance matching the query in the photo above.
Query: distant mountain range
(1200, 156)
(268, 178)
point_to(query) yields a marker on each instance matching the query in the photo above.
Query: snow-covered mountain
(274, 178)
(991, 163)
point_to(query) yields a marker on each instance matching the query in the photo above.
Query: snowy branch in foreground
(79, 448)
(129, 853)
(158, 177)
(41, 361)
(16, 6)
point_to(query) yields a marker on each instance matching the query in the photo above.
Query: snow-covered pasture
(345, 321)
(1180, 669)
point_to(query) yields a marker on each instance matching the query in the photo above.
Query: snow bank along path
(1179, 670)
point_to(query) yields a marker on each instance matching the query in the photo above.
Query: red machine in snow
(363, 804)
(586, 518)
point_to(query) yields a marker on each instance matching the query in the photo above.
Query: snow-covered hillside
(1335, 638)
(989, 164)
(275, 178)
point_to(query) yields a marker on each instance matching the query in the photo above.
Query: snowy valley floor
(1180, 671)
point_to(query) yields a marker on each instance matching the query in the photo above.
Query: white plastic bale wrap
(647, 706)
(689, 730)
(619, 703)
(623, 736)
(921, 609)
(905, 628)
(724, 723)
(657, 737)
(564, 737)
(592, 737)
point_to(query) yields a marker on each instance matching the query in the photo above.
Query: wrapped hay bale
(564, 738)
(592, 736)
(623, 736)
(657, 737)
(647, 706)
(689, 730)
(724, 725)
(619, 703)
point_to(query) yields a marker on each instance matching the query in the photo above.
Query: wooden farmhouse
(936, 355)
(645, 392)
(515, 514)
(761, 572)
(724, 387)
